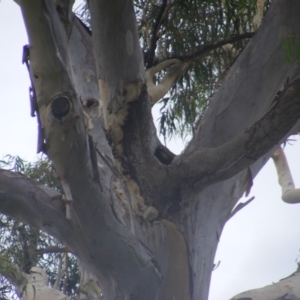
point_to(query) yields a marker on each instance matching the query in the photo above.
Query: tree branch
(59, 108)
(287, 288)
(154, 38)
(89, 286)
(243, 98)
(289, 193)
(204, 50)
(61, 269)
(11, 272)
(119, 62)
(122, 271)
(206, 166)
(53, 249)
(29, 286)
(31, 203)
(239, 207)
(38, 288)
(157, 92)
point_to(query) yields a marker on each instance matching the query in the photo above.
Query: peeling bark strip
(120, 73)
(33, 103)
(289, 193)
(116, 114)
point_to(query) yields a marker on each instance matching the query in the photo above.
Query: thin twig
(154, 37)
(239, 207)
(203, 50)
(66, 272)
(215, 266)
(59, 273)
(53, 249)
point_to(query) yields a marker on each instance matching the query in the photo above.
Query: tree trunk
(145, 222)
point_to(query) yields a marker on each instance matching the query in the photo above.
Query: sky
(259, 245)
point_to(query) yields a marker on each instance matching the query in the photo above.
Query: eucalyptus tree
(143, 222)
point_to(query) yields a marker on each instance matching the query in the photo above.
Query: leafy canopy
(193, 31)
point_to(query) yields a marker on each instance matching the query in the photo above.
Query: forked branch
(206, 166)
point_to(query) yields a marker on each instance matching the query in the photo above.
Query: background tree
(135, 147)
(25, 246)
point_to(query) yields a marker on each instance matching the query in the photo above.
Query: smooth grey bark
(73, 155)
(144, 222)
(244, 97)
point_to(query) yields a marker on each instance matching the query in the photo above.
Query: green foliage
(27, 246)
(183, 28)
(180, 29)
(40, 171)
(291, 47)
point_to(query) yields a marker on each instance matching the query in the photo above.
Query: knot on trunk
(60, 106)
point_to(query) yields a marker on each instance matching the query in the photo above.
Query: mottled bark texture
(144, 222)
